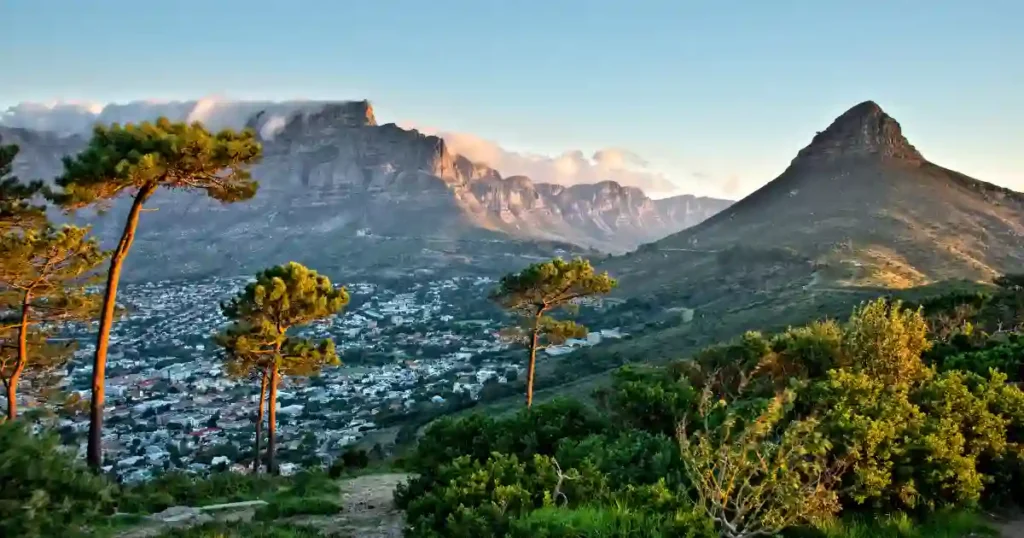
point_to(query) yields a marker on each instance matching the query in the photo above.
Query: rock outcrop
(330, 171)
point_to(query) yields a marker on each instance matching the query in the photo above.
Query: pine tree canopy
(282, 297)
(140, 158)
(52, 266)
(16, 207)
(544, 286)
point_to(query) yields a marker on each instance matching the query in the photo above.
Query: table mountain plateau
(338, 189)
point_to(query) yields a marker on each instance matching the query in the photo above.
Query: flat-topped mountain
(863, 205)
(331, 176)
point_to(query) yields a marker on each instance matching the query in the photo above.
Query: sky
(714, 96)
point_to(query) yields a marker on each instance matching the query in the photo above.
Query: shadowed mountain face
(338, 189)
(864, 207)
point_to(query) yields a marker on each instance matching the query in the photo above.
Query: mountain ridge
(332, 170)
(865, 207)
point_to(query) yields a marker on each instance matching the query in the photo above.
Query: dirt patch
(367, 509)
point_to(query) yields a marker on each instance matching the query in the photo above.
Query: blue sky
(704, 90)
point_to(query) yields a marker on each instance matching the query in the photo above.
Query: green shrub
(293, 506)
(943, 524)
(44, 491)
(655, 400)
(536, 430)
(604, 522)
(473, 498)
(629, 458)
(245, 530)
(181, 489)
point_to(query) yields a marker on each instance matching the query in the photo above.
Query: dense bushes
(606, 522)
(827, 417)
(43, 490)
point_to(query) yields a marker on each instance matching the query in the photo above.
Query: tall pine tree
(533, 293)
(136, 161)
(43, 282)
(282, 299)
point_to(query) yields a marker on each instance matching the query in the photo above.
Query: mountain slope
(864, 207)
(338, 189)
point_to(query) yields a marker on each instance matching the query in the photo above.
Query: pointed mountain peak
(864, 130)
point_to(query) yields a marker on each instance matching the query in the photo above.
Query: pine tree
(43, 282)
(136, 161)
(257, 342)
(17, 210)
(531, 294)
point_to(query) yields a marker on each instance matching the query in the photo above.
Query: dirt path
(367, 509)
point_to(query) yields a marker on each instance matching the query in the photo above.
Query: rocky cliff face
(331, 174)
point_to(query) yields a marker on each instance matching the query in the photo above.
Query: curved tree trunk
(532, 366)
(99, 367)
(259, 421)
(23, 358)
(272, 420)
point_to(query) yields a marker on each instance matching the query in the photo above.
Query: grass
(245, 530)
(953, 524)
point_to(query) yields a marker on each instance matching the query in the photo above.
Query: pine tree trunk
(259, 421)
(532, 366)
(19, 366)
(272, 420)
(95, 450)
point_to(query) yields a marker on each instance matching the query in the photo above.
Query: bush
(181, 489)
(603, 522)
(536, 430)
(293, 506)
(352, 459)
(44, 491)
(244, 530)
(473, 498)
(630, 458)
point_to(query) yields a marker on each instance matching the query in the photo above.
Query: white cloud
(568, 168)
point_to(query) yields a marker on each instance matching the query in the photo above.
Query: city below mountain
(338, 191)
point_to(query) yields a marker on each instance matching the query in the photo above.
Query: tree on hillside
(531, 294)
(281, 299)
(16, 208)
(43, 281)
(136, 161)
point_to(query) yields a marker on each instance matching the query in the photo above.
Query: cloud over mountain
(570, 167)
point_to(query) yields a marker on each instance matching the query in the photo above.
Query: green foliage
(257, 343)
(294, 506)
(181, 489)
(532, 431)
(650, 399)
(139, 158)
(532, 293)
(351, 459)
(886, 341)
(626, 458)
(605, 522)
(941, 442)
(943, 524)
(1005, 354)
(43, 279)
(45, 492)
(759, 477)
(473, 498)
(17, 210)
(245, 530)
